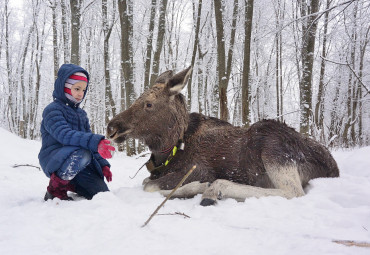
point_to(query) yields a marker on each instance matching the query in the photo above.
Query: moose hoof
(207, 202)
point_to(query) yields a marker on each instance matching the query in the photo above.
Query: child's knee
(85, 157)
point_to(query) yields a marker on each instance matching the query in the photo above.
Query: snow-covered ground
(333, 209)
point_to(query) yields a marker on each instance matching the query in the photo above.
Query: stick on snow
(169, 196)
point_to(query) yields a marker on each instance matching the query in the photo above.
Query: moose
(267, 159)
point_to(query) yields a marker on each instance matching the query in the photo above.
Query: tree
(65, 32)
(107, 30)
(246, 63)
(309, 9)
(126, 19)
(160, 39)
(149, 45)
(197, 16)
(75, 28)
(53, 6)
(224, 61)
(319, 107)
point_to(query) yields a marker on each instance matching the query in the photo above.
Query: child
(72, 156)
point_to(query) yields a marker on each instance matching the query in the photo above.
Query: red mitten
(105, 149)
(107, 173)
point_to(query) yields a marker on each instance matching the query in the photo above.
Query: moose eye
(149, 105)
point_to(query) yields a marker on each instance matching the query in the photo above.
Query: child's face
(78, 90)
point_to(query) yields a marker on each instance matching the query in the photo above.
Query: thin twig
(352, 243)
(137, 172)
(350, 68)
(14, 166)
(176, 213)
(169, 196)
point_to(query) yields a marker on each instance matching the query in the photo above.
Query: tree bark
(195, 48)
(75, 27)
(149, 45)
(246, 121)
(160, 39)
(319, 108)
(65, 31)
(126, 19)
(221, 61)
(309, 26)
(351, 86)
(107, 29)
(53, 6)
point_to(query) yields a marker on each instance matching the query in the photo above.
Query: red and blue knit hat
(72, 80)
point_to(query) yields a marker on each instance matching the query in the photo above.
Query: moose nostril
(111, 131)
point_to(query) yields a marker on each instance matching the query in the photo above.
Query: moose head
(159, 116)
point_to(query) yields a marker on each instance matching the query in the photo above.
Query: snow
(110, 223)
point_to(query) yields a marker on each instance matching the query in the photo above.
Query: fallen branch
(169, 196)
(15, 165)
(352, 243)
(176, 213)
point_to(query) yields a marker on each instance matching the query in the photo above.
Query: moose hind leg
(285, 179)
(222, 189)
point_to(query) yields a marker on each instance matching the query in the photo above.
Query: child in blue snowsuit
(71, 155)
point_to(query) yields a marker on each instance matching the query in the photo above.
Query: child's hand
(107, 173)
(105, 149)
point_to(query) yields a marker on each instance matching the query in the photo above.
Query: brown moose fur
(269, 158)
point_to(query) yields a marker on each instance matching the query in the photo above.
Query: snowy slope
(333, 209)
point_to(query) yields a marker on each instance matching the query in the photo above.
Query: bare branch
(350, 68)
(169, 196)
(352, 243)
(15, 166)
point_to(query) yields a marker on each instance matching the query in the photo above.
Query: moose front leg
(165, 184)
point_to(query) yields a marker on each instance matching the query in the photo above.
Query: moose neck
(163, 141)
(166, 148)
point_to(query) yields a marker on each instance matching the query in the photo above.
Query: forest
(304, 62)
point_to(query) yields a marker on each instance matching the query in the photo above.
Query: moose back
(267, 159)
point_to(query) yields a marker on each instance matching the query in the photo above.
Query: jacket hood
(64, 72)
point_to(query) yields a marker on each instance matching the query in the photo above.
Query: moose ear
(164, 77)
(178, 81)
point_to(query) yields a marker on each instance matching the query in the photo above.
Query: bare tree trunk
(149, 45)
(246, 121)
(160, 39)
(357, 95)
(230, 53)
(40, 43)
(363, 47)
(277, 62)
(75, 27)
(221, 61)
(126, 19)
(107, 30)
(66, 53)
(319, 108)
(279, 13)
(24, 121)
(195, 47)
(351, 86)
(53, 6)
(309, 26)
(12, 89)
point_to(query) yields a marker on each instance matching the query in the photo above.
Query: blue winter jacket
(65, 128)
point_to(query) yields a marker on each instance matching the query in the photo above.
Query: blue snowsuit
(66, 133)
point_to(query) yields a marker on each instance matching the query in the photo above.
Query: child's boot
(57, 188)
